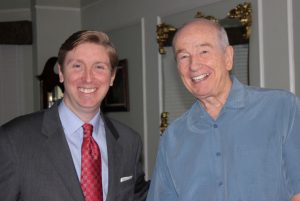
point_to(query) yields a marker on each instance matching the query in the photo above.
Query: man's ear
(60, 74)
(113, 76)
(229, 57)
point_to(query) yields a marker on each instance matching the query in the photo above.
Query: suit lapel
(114, 151)
(58, 151)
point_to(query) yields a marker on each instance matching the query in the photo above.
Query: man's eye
(100, 67)
(204, 52)
(76, 65)
(182, 56)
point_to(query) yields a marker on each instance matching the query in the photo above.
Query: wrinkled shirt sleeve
(162, 188)
(291, 150)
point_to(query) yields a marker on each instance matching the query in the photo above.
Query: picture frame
(117, 98)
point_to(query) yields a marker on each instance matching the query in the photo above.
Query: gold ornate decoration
(163, 32)
(164, 122)
(209, 17)
(242, 12)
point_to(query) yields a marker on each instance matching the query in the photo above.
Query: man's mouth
(200, 77)
(87, 90)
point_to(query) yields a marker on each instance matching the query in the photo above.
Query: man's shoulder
(184, 117)
(22, 127)
(272, 94)
(179, 126)
(24, 120)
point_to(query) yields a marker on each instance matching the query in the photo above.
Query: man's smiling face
(87, 75)
(203, 63)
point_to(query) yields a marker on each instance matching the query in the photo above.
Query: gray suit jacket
(36, 163)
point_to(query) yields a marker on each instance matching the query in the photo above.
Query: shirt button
(215, 126)
(218, 154)
(220, 183)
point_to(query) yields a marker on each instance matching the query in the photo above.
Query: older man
(236, 142)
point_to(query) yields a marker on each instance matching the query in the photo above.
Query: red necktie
(91, 178)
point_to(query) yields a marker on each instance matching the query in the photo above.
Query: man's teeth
(87, 90)
(200, 77)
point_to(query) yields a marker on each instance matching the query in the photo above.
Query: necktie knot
(87, 130)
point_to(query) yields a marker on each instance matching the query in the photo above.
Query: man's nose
(88, 75)
(196, 63)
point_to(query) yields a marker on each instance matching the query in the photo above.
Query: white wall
(275, 51)
(16, 72)
(296, 34)
(128, 42)
(52, 25)
(15, 14)
(15, 81)
(274, 45)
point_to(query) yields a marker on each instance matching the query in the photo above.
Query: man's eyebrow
(102, 62)
(72, 60)
(204, 45)
(197, 46)
(81, 61)
(179, 51)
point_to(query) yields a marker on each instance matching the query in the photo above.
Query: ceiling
(24, 4)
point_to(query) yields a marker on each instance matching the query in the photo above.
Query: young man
(72, 151)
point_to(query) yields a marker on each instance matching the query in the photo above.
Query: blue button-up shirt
(251, 152)
(74, 134)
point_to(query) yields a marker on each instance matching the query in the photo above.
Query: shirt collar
(71, 123)
(236, 99)
(237, 95)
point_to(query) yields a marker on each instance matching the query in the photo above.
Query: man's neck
(214, 104)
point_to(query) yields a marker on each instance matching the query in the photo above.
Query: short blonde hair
(86, 36)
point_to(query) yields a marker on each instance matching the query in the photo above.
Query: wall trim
(291, 45)
(160, 76)
(145, 134)
(10, 11)
(260, 42)
(57, 8)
